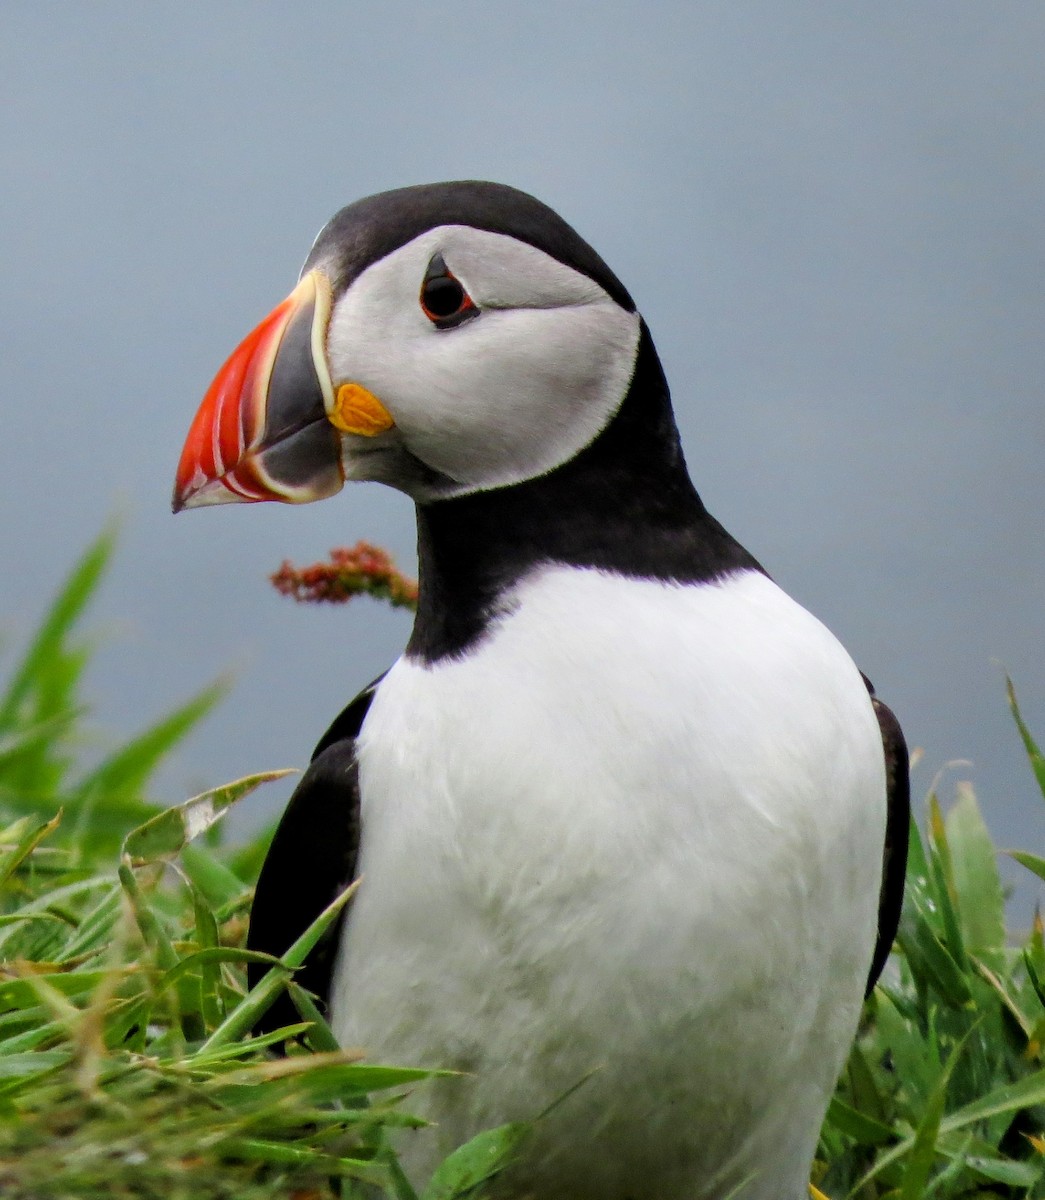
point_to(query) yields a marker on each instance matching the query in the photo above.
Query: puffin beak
(270, 425)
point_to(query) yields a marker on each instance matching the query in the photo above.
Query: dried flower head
(362, 569)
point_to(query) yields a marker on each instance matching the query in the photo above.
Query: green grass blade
(327, 1076)
(208, 937)
(1008, 997)
(945, 893)
(30, 837)
(476, 1161)
(1034, 958)
(981, 903)
(125, 773)
(257, 1001)
(929, 959)
(320, 1035)
(211, 956)
(1028, 1092)
(918, 887)
(23, 993)
(95, 929)
(287, 1154)
(46, 647)
(402, 1189)
(923, 1149)
(1032, 862)
(999, 1170)
(234, 1050)
(867, 1096)
(1037, 759)
(149, 924)
(858, 1125)
(165, 835)
(215, 881)
(31, 1039)
(32, 1063)
(18, 744)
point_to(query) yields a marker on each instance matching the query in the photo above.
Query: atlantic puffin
(625, 815)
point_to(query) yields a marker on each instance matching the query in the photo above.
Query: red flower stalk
(358, 570)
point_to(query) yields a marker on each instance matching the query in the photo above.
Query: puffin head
(444, 339)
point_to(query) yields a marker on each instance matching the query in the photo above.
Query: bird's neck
(625, 504)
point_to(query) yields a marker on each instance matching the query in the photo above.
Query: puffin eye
(443, 300)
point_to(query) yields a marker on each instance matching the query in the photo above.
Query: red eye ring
(443, 298)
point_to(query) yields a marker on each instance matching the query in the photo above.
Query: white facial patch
(506, 396)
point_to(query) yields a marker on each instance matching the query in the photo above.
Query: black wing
(897, 829)
(311, 860)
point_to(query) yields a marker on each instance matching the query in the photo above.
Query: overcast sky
(831, 215)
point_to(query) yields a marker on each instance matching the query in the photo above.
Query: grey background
(830, 214)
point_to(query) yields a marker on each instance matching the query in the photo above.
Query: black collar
(625, 504)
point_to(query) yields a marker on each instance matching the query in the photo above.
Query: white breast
(636, 831)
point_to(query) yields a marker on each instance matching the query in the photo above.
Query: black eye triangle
(443, 299)
(436, 268)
